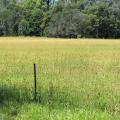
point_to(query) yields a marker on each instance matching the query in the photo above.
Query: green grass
(76, 79)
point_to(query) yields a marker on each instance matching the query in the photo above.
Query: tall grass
(71, 74)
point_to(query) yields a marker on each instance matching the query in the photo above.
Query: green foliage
(34, 11)
(60, 18)
(10, 18)
(23, 28)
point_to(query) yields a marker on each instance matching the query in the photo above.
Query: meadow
(77, 79)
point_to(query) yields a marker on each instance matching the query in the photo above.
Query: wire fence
(18, 83)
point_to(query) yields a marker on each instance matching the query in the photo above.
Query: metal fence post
(35, 84)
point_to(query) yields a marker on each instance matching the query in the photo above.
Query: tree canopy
(60, 18)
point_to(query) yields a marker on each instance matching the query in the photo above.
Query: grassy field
(76, 79)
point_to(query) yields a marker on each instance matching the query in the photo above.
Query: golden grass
(74, 72)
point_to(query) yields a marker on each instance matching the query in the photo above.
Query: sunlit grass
(81, 75)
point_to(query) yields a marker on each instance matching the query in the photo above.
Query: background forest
(60, 18)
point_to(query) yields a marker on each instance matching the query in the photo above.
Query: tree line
(60, 18)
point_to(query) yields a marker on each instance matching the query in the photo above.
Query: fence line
(12, 90)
